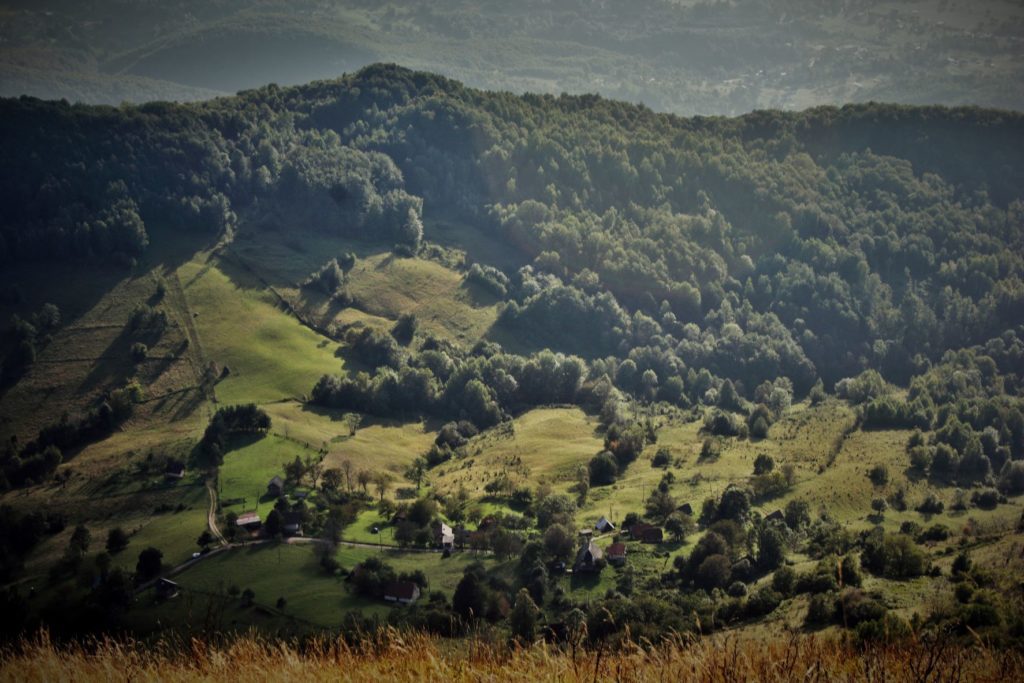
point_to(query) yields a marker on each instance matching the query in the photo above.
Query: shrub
(921, 458)
(1011, 478)
(879, 475)
(662, 458)
(931, 505)
(722, 424)
(986, 499)
(764, 601)
(936, 532)
(763, 464)
(603, 469)
(857, 607)
(784, 581)
(139, 351)
(820, 610)
(711, 449)
(713, 572)
(893, 556)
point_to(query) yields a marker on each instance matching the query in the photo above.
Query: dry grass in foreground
(402, 657)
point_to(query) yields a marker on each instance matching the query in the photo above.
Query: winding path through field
(211, 514)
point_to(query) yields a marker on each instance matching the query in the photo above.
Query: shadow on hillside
(479, 296)
(587, 581)
(430, 424)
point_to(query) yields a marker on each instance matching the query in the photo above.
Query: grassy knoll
(269, 353)
(377, 444)
(381, 445)
(546, 444)
(250, 464)
(384, 286)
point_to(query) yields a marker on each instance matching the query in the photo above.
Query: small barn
(604, 526)
(175, 470)
(249, 521)
(616, 554)
(402, 592)
(276, 487)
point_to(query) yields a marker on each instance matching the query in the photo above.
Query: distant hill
(684, 56)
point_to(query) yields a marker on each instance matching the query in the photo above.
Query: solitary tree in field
(382, 482)
(417, 472)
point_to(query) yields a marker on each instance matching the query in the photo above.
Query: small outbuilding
(175, 470)
(604, 526)
(276, 487)
(402, 592)
(250, 521)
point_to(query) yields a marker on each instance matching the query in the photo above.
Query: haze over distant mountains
(688, 57)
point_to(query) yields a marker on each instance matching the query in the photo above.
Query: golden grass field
(396, 656)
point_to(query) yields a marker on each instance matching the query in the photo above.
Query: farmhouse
(604, 526)
(276, 487)
(175, 470)
(589, 558)
(402, 592)
(616, 553)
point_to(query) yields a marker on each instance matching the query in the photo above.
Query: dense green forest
(812, 245)
(654, 271)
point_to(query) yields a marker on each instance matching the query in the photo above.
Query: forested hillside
(813, 245)
(800, 335)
